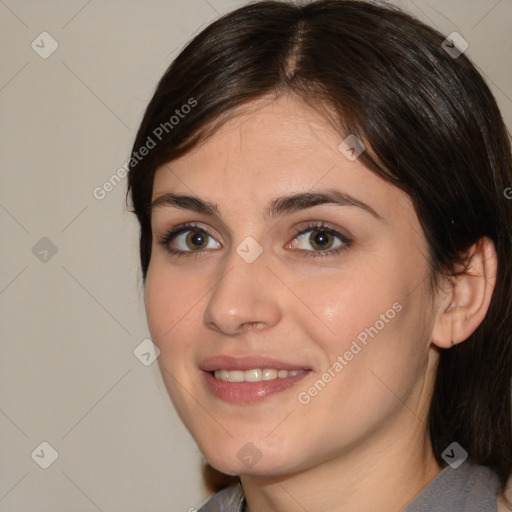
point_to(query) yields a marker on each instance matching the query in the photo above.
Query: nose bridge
(244, 294)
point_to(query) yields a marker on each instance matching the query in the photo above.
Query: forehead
(277, 130)
(271, 147)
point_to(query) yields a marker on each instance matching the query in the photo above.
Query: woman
(325, 247)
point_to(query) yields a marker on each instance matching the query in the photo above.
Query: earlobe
(463, 307)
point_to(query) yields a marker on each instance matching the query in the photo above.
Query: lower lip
(248, 392)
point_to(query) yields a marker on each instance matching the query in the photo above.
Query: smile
(254, 375)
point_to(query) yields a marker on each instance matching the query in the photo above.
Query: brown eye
(324, 241)
(321, 239)
(196, 240)
(188, 238)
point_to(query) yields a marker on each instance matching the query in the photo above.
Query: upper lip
(225, 362)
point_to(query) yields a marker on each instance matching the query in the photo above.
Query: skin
(361, 443)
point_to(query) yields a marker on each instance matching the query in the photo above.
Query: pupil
(321, 239)
(196, 239)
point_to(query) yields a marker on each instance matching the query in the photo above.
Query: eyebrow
(277, 207)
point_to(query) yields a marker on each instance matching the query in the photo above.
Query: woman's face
(299, 259)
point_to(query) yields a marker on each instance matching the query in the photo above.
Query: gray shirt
(469, 488)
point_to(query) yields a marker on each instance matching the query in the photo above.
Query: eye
(192, 240)
(324, 240)
(188, 238)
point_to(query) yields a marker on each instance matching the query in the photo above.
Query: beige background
(71, 320)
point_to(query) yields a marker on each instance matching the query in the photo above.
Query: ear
(462, 307)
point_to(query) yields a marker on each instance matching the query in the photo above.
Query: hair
(431, 127)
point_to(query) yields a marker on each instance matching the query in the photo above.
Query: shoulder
(468, 488)
(230, 499)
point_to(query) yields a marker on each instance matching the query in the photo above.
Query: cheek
(171, 302)
(351, 305)
(372, 321)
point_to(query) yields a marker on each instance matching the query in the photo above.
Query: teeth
(255, 375)
(269, 374)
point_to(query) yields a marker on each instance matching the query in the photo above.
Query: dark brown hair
(432, 128)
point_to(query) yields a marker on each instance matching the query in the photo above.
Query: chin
(248, 459)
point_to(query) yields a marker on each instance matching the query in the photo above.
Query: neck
(387, 475)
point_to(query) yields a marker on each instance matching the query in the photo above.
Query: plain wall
(71, 319)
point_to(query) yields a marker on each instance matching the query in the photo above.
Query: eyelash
(168, 237)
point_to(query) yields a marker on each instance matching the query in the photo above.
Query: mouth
(249, 379)
(254, 375)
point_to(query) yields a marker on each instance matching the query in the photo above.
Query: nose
(245, 297)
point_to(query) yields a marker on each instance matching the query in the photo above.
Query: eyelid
(321, 225)
(176, 231)
(171, 234)
(186, 226)
(346, 241)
